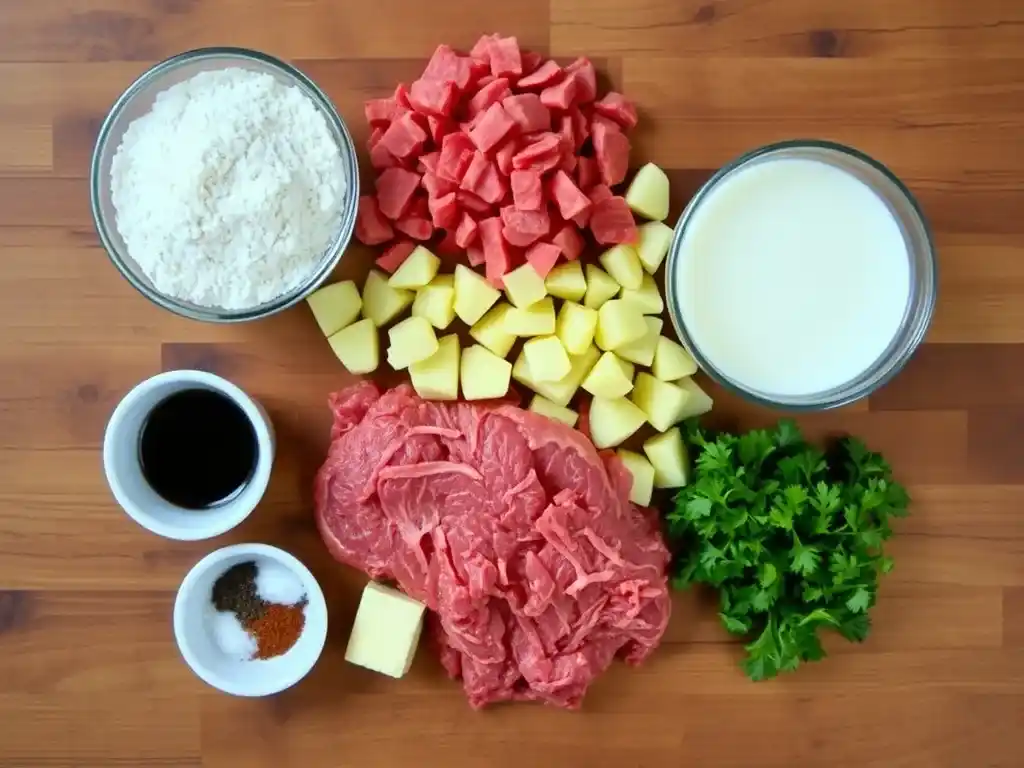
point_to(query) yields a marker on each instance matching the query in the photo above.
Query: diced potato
(612, 421)
(535, 320)
(566, 281)
(410, 341)
(558, 392)
(652, 244)
(484, 375)
(611, 377)
(642, 350)
(699, 403)
(547, 358)
(663, 402)
(435, 303)
(490, 330)
(417, 270)
(618, 322)
(381, 302)
(575, 326)
(357, 346)
(444, 280)
(473, 294)
(671, 361)
(648, 193)
(437, 377)
(543, 406)
(643, 476)
(600, 287)
(623, 264)
(667, 453)
(335, 306)
(524, 286)
(647, 296)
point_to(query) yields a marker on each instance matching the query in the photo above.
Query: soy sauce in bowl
(197, 448)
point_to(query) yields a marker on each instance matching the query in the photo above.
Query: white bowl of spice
(250, 619)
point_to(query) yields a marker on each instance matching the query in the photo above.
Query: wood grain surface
(89, 673)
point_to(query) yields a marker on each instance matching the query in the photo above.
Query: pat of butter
(386, 632)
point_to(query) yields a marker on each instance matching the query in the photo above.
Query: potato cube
(643, 476)
(648, 193)
(575, 326)
(600, 287)
(642, 350)
(524, 286)
(535, 320)
(484, 375)
(357, 346)
(411, 340)
(671, 361)
(381, 302)
(566, 281)
(547, 358)
(335, 306)
(623, 264)
(611, 377)
(647, 296)
(437, 377)
(699, 403)
(543, 406)
(653, 242)
(473, 294)
(612, 421)
(558, 392)
(618, 322)
(664, 403)
(490, 330)
(417, 270)
(667, 453)
(386, 631)
(447, 281)
(435, 303)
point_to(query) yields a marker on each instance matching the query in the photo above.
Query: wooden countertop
(89, 673)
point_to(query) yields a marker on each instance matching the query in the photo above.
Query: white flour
(230, 190)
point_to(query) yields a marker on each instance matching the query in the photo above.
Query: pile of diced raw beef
(505, 156)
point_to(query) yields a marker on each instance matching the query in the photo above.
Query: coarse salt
(277, 584)
(232, 638)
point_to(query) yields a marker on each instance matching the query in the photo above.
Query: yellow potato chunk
(562, 391)
(670, 459)
(543, 406)
(664, 403)
(357, 346)
(490, 330)
(623, 264)
(473, 295)
(524, 286)
(643, 476)
(653, 242)
(566, 281)
(600, 287)
(417, 270)
(444, 280)
(671, 361)
(611, 377)
(435, 303)
(642, 350)
(647, 296)
(618, 322)
(381, 302)
(547, 358)
(648, 194)
(612, 421)
(535, 320)
(699, 403)
(484, 375)
(335, 306)
(575, 326)
(437, 377)
(411, 340)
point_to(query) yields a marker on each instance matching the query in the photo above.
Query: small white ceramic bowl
(193, 626)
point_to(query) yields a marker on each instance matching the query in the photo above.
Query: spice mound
(260, 610)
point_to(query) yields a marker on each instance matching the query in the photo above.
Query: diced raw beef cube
(395, 188)
(531, 60)
(492, 186)
(416, 227)
(381, 112)
(524, 228)
(496, 253)
(481, 50)
(586, 79)
(567, 130)
(444, 211)
(567, 196)
(475, 254)
(489, 94)
(547, 145)
(395, 256)
(436, 186)
(599, 192)
(466, 232)
(456, 153)
(447, 247)
(527, 190)
(611, 147)
(492, 128)
(438, 128)
(580, 128)
(447, 65)
(374, 138)
(486, 79)
(569, 242)
(503, 156)
(607, 122)
(371, 226)
(528, 112)
(431, 97)
(560, 95)
(401, 96)
(547, 73)
(380, 158)
(506, 58)
(428, 163)
(472, 202)
(611, 221)
(583, 218)
(587, 174)
(618, 108)
(404, 137)
(475, 172)
(543, 257)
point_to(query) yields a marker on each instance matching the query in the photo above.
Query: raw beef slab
(509, 526)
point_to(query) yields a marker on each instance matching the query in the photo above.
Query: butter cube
(386, 631)
(524, 286)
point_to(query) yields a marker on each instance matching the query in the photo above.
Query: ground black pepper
(235, 591)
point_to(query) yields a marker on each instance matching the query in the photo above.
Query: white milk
(793, 277)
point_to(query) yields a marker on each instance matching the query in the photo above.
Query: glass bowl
(923, 273)
(138, 99)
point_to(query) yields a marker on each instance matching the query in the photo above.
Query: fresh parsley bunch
(790, 536)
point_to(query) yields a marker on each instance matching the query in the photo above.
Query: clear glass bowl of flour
(137, 101)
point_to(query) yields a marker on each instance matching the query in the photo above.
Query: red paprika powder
(277, 629)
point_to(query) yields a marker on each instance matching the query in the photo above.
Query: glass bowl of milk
(802, 275)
